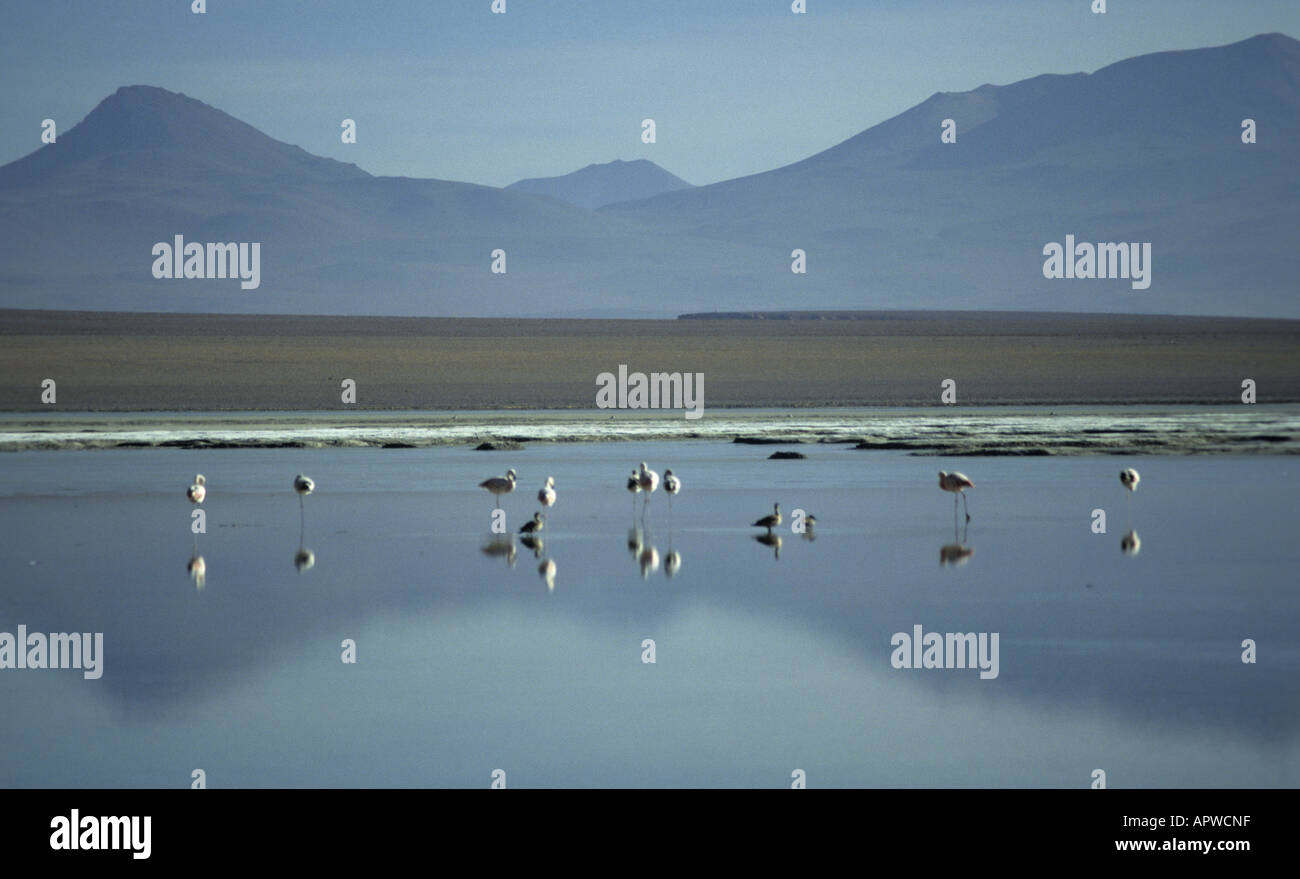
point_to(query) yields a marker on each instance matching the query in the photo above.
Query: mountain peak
(144, 126)
(597, 185)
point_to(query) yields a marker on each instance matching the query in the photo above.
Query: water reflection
(772, 540)
(672, 564)
(956, 553)
(304, 559)
(546, 570)
(648, 560)
(501, 546)
(198, 569)
(1130, 543)
(536, 544)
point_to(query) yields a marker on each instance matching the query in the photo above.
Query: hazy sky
(444, 88)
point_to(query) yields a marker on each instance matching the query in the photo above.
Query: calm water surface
(766, 661)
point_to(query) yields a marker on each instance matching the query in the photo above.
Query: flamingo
(198, 491)
(1129, 478)
(634, 486)
(649, 481)
(546, 496)
(957, 483)
(499, 485)
(532, 526)
(771, 520)
(304, 486)
(672, 485)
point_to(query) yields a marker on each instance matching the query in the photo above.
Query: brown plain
(180, 362)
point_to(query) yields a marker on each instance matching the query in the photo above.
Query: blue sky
(444, 88)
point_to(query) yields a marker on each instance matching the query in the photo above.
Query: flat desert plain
(106, 361)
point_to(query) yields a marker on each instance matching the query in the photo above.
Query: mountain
(79, 219)
(598, 185)
(1147, 150)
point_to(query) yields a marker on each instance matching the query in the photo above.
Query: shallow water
(467, 663)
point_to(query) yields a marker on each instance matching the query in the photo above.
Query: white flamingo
(546, 496)
(499, 485)
(199, 490)
(649, 481)
(304, 486)
(1129, 478)
(957, 483)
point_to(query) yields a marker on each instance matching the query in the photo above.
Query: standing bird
(499, 485)
(771, 520)
(957, 483)
(649, 481)
(533, 525)
(198, 491)
(304, 486)
(672, 485)
(634, 486)
(1129, 478)
(546, 496)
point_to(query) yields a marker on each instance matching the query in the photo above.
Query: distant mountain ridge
(1145, 150)
(596, 186)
